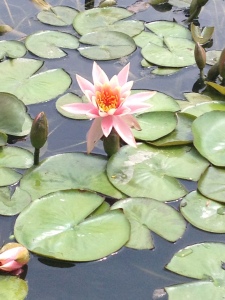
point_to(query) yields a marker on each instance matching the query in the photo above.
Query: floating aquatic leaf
(18, 80)
(180, 3)
(14, 119)
(219, 88)
(5, 28)
(146, 214)
(165, 71)
(144, 38)
(209, 137)
(98, 19)
(3, 139)
(203, 212)
(56, 226)
(47, 44)
(139, 172)
(13, 287)
(106, 45)
(212, 57)
(66, 171)
(58, 16)
(8, 176)
(12, 49)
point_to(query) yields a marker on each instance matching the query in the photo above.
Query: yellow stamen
(107, 99)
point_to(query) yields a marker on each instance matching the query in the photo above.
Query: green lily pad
(201, 36)
(212, 183)
(182, 134)
(14, 119)
(98, 19)
(217, 87)
(165, 71)
(180, 3)
(60, 172)
(58, 16)
(144, 38)
(3, 139)
(212, 57)
(155, 125)
(70, 98)
(178, 52)
(138, 172)
(14, 157)
(10, 206)
(47, 43)
(145, 215)
(209, 136)
(203, 212)
(12, 287)
(169, 29)
(18, 80)
(199, 109)
(12, 49)
(106, 45)
(8, 176)
(55, 226)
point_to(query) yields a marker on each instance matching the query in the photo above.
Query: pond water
(128, 274)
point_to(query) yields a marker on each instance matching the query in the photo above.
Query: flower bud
(200, 56)
(222, 64)
(13, 256)
(39, 131)
(213, 72)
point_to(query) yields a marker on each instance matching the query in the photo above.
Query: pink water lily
(110, 104)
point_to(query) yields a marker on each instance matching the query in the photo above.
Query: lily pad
(182, 134)
(18, 80)
(218, 87)
(70, 98)
(200, 261)
(47, 43)
(212, 57)
(209, 136)
(98, 19)
(203, 212)
(66, 171)
(199, 109)
(144, 38)
(13, 287)
(10, 206)
(106, 45)
(15, 157)
(12, 49)
(58, 16)
(14, 119)
(3, 139)
(180, 3)
(155, 125)
(212, 183)
(55, 226)
(178, 52)
(146, 214)
(139, 172)
(8, 176)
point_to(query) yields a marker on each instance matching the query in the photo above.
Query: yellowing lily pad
(47, 44)
(19, 79)
(219, 88)
(146, 215)
(12, 49)
(12, 287)
(58, 226)
(106, 45)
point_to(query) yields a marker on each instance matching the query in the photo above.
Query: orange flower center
(106, 98)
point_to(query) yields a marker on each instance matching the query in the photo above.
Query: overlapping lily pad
(209, 136)
(203, 212)
(12, 49)
(19, 79)
(98, 19)
(47, 43)
(14, 119)
(202, 261)
(66, 171)
(13, 287)
(106, 45)
(146, 214)
(57, 226)
(140, 172)
(58, 16)
(3, 139)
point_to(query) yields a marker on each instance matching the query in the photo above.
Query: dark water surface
(128, 274)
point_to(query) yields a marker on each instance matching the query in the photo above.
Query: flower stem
(111, 143)
(36, 156)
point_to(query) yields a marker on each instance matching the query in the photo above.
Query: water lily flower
(110, 104)
(13, 256)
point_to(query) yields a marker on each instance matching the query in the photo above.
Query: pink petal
(84, 84)
(10, 254)
(114, 82)
(98, 75)
(137, 108)
(107, 125)
(124, 131)
(94, 134)
(10, 266)
(123, 75)
(139, 97)
(131, 121)
(80, 108)
(126, 88)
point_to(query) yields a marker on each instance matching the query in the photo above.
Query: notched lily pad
(58, 226)
(106, 45)
(146, 215)
(58, 16)
(12, 49)
(47, 43)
